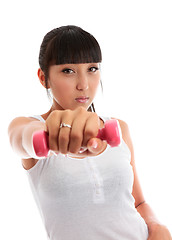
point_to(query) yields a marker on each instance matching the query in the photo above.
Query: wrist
(156, 227)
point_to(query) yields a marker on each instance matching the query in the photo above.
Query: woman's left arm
(157, 231)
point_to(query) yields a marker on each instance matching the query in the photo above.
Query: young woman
(85, 189)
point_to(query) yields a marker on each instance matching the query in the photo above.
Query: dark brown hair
(68, 44)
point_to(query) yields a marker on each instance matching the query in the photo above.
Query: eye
(67, 71)
(93, 69)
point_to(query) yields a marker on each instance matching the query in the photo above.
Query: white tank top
(88, 199)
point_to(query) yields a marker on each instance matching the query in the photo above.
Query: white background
(136, 42)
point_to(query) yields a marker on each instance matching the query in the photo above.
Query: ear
(41, 76)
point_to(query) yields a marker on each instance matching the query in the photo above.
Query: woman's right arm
(20, 132)
(85, 127)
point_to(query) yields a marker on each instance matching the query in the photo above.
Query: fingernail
(82, 149)
(94, 144)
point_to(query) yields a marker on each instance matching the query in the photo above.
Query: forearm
(149, 216)
(157, 230)
(21, 133)
(27, 137)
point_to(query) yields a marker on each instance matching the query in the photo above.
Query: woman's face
(73, 85)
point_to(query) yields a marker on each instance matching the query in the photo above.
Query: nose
(82, 83)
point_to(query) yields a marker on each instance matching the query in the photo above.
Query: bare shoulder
(23, 119)
(19, 121)
(125, 133)
(124, 128)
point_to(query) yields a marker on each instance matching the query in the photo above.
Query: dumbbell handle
(111, 133)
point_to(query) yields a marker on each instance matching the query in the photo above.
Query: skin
(70, 81)
(67, 82)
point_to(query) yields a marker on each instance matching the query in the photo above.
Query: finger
(93, 149)
(96, 146)
(53, 131)
(91, 128)
(64, 133)
(76, 136)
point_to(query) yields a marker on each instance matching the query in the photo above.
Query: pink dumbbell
(111, 133)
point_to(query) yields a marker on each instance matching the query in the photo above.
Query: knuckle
(81, 110)
(67, 112)
(54, 114)
(91, 133)
(95, 115)
(52, 119)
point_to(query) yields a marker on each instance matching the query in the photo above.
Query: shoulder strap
(38, 117)
(105, 118)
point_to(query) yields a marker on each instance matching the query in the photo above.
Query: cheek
(61, 88)
(95, 84)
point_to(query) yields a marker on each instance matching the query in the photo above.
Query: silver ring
(65, 125)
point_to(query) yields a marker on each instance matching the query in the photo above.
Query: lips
(82, 99)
